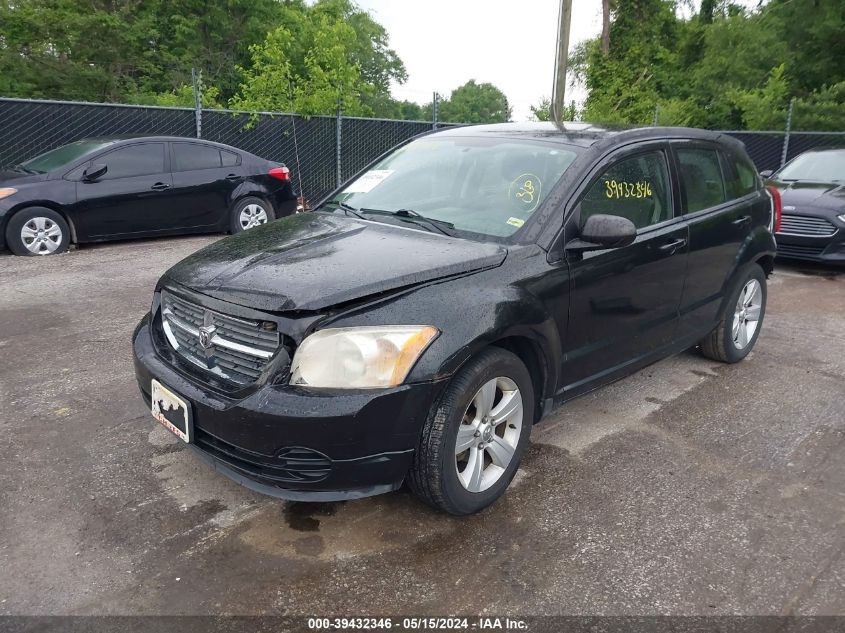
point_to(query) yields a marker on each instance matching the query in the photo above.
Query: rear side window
(229, 158)
(135, 160)
(744, 179)
(636, 188)
(701, 176)
(189, 156)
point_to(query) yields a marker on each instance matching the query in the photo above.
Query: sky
(511, 44)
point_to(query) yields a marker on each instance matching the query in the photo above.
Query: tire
(434, 475)
(243, 208)
(731, 341)
(37, 231)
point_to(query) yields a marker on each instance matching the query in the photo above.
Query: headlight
(5, 192)
(360, 357)
(841, 217)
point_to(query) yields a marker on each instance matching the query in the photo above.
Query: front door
(624, 301)
(133, 197)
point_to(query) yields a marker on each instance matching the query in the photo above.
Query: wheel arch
(531, 355)
(46, 204)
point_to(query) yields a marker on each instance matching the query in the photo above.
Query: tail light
(280, 173)
(777, 207)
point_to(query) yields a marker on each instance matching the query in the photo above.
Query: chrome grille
(806, 226)
(236, 349)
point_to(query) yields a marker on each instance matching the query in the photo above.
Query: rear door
(133, 197)
(624, 301)
(204, 181)
(720, 219)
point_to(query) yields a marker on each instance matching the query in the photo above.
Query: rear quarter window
(741, 177)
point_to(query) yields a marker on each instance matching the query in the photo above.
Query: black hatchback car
(812, 191)
(105, 189)
(443, 301)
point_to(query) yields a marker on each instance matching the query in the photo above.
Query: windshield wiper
(25, 170)
(411, 216)
(347, 208)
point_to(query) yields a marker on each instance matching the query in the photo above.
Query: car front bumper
(293, 443)
(819, 249)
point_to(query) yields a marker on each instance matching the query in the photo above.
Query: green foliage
(258, 54)
(475, 103)
(543, 111)
(319, 54)
(726, 67)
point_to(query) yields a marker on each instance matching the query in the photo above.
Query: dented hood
(314, 260)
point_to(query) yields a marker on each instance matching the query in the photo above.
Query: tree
(106, 51)
(542, 111)
(724, 67)
(475, 103)
(320, 54)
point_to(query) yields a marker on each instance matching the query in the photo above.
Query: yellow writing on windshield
(525, 190)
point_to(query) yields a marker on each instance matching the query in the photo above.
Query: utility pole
(559, 89)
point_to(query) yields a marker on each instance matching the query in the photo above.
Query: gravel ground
(688, 488)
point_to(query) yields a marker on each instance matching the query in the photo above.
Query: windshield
(487, 186)
(62, 156)
(820, 166)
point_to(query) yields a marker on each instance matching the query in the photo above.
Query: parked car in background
(95, 190)
(812, 191)
(432, 310)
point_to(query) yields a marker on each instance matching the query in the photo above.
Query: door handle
(233, 177)
(671, 247)
(160, 186)
(742, 221)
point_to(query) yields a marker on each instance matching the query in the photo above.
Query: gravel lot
(688, 488)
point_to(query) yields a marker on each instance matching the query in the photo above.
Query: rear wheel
(37, 231)
(250, 212)
(474, 438)
(742, 318)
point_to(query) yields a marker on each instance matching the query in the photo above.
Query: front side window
(190, 156)
(62, 156)
(701, 177)
(135, 160)
(636, 188)
(486, 186)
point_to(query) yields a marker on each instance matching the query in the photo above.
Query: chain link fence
(322, 151)
(327, 153)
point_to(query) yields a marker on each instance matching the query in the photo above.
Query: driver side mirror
(766, 173)
(93, 172)
(604, 231)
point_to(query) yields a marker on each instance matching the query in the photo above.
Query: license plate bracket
(171, 411)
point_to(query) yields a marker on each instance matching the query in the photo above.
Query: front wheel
(37, 231)
(474, 438)
(742, 319)
(250, 212)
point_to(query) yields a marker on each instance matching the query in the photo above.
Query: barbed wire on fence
(310, 145)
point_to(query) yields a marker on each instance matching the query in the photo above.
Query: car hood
(312, 261)
(10, 178)
(811, 194)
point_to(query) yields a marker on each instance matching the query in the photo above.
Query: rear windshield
(62, 156)
(487, 186)
(821, 166)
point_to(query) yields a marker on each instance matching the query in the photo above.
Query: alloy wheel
(252, 215)
(747, 314)
(41, 236)
(489, 434)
